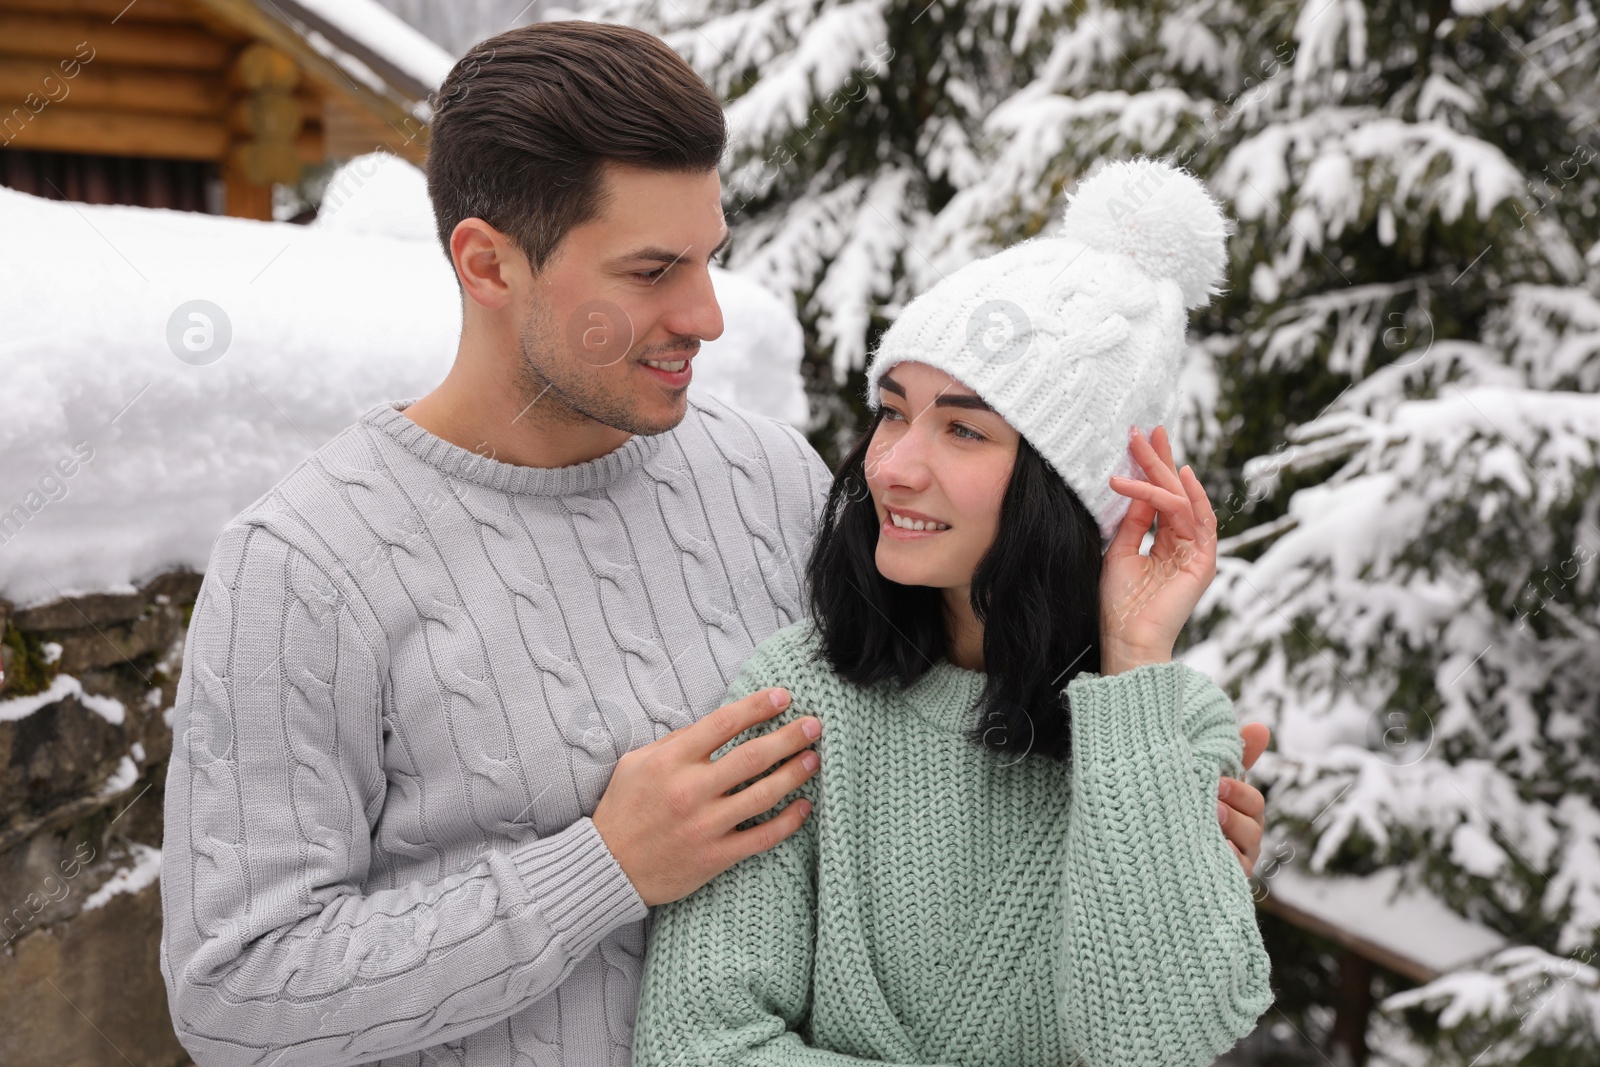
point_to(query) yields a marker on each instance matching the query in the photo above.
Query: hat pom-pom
(1160, 216)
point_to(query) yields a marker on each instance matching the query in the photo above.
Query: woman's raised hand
(1145, 600)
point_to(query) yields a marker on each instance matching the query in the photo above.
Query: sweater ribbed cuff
(578, 885)
(1129, 713)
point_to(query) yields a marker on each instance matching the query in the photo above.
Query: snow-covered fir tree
(1393, 409)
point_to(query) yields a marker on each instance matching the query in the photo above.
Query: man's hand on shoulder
(668, 816)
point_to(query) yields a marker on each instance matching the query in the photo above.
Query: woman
(1013, 855)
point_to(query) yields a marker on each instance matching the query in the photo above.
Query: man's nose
(696, 313)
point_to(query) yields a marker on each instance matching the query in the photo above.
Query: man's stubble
(563, 385)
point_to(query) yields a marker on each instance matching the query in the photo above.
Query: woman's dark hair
(1037, 592)
(525, 120)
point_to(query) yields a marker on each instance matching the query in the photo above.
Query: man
(449, 697)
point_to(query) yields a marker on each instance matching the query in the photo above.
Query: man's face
(621, 307)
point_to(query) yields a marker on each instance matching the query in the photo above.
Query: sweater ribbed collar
(946, 696)
(457, 462)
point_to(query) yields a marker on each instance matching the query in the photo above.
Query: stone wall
(85, 736)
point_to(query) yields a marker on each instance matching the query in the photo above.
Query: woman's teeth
(915, 524)
(670, 366)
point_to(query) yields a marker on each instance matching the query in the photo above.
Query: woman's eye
(890, 413)
(965, 431)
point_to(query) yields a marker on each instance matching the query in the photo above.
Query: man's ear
(489, 265)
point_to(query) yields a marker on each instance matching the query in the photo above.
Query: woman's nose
(904, 461)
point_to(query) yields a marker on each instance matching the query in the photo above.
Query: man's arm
(271, 951)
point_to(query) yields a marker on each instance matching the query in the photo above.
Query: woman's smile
(903, 524)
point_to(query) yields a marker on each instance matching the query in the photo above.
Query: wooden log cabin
(203, 105)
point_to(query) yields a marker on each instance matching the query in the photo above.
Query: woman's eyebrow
(969, 401)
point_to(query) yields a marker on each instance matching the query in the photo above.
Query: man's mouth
(671, 366)
(670, 373)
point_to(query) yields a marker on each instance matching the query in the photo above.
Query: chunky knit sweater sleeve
(750, 1005)
(1163, 964)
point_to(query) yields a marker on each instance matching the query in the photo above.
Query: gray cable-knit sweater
(410, 672)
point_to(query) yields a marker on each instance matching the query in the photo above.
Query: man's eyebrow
(664, 255)
(970, 401)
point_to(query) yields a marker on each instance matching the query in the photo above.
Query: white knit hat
(1074, 338)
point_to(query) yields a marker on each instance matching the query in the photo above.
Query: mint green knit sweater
(947, 905)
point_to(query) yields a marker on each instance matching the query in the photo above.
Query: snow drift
(131, 430)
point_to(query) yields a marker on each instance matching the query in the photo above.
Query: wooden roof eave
(410, 87)
(323, 71)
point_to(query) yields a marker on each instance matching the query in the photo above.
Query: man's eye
(649, 275)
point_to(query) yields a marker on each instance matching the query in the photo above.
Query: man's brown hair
(525, 120)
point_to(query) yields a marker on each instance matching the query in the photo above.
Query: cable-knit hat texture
(1076, 337)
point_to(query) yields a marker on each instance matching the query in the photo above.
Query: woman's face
(940, 458)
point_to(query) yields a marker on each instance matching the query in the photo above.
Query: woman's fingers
(1203, 514)
(1161, 441)
(1205, 521)
(1157, 468)
(1176, 510)
(1132, 529)
(1179, 480)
